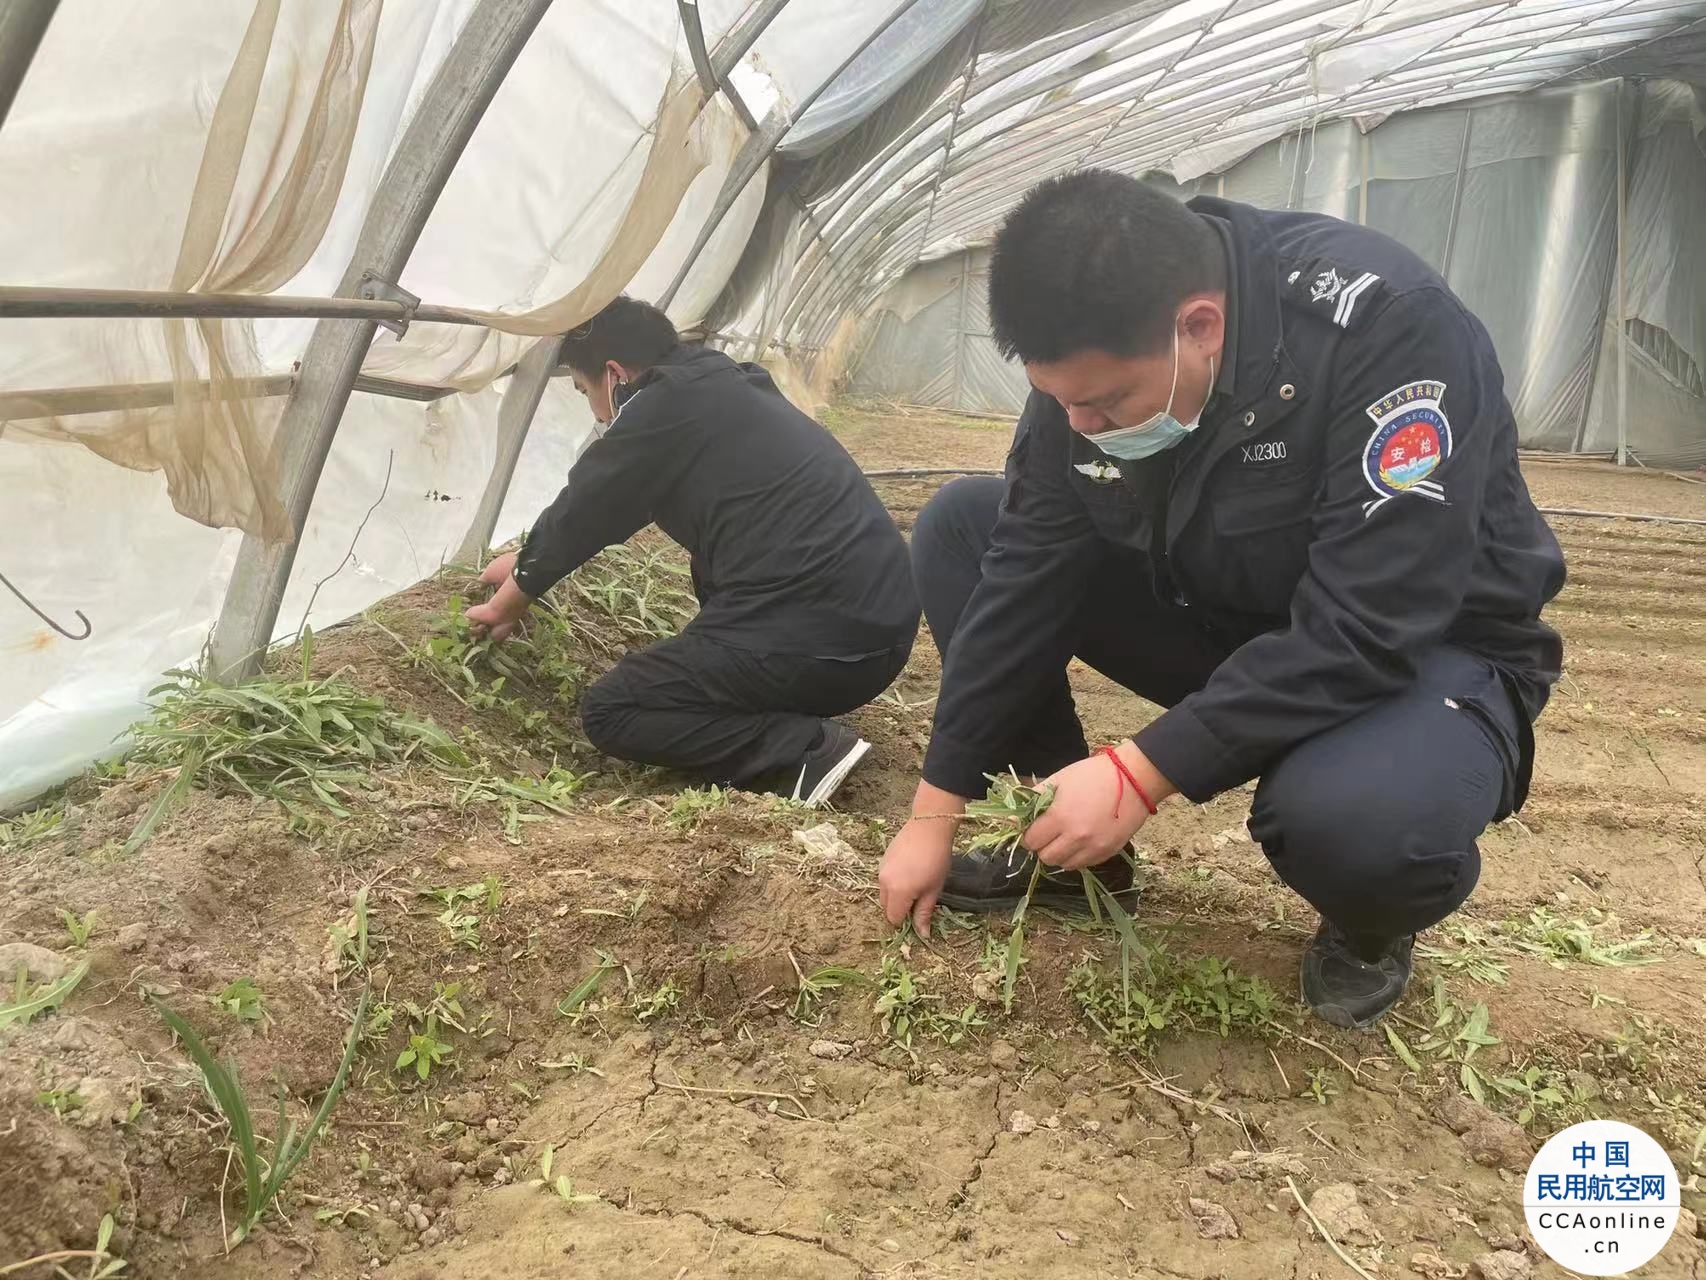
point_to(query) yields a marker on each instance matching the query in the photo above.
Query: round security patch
(1411, 438)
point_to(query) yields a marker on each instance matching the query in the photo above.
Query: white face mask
(1162, 431)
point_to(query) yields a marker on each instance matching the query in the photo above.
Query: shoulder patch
(1411, 438)
(1340, 294)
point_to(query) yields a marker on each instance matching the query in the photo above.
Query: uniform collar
(1225, 379)
(1253, 297)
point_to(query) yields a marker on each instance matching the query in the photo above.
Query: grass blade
(570, 1004)
(1401, 1049)
(227, 1094)
(48, 996)
(286, 1164)
(166, 802)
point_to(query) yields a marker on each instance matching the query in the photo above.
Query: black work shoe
(997, 882)
(827, 765)
(1347, 988)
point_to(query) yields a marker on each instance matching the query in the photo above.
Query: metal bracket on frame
(375, 289)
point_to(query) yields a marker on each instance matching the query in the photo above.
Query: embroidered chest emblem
(1100, 472)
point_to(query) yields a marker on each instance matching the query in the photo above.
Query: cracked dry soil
(710, 1140)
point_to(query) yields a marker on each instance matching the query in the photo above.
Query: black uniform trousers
(1373, 822)
(732, 716)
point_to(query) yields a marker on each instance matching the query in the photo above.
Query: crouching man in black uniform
(807, 608)
(1267, 478)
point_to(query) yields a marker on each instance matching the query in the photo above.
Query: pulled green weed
(306, 744)
(1454, 1039)
(552, 792)
(1561, 941)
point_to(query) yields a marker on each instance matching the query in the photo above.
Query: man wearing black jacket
(1267, 478)
(807, 608)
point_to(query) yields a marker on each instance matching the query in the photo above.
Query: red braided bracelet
(1128, 776)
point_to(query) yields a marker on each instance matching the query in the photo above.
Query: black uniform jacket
(792, 551)
(1350, 500)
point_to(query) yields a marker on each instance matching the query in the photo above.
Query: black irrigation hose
(930, 471)
(910, 472)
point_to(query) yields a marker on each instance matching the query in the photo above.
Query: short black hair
(1096, 260)
(635, 334)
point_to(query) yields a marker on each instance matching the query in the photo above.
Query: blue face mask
(1162, 431)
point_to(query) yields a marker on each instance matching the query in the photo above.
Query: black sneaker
(826, 766)
(1347, 988)
(996, 882)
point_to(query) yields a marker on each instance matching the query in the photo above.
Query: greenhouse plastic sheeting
(83, 534)
(239, 144)
(1514, 200)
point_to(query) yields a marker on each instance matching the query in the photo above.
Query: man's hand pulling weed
(1098, 806)
(497, 617)
(916, 863)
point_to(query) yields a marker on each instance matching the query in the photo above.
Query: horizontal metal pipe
(65, 402)
(31, 302)
(71, 402)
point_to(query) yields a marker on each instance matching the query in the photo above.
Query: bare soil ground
(711, 1121)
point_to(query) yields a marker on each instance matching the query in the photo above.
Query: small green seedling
(19, 832)
(242, 1000)
(79, 927)
(1538, 1092)
(815, 985)
(340, 1215)
(425, 1051)
(27, 1000)
(907, 1010)
(465, 907)
(61, 1101)
(446, 1007)
(105, 1262)
(658, 1003)
(693, 803)
(560, 1187)
(1321, 1086)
